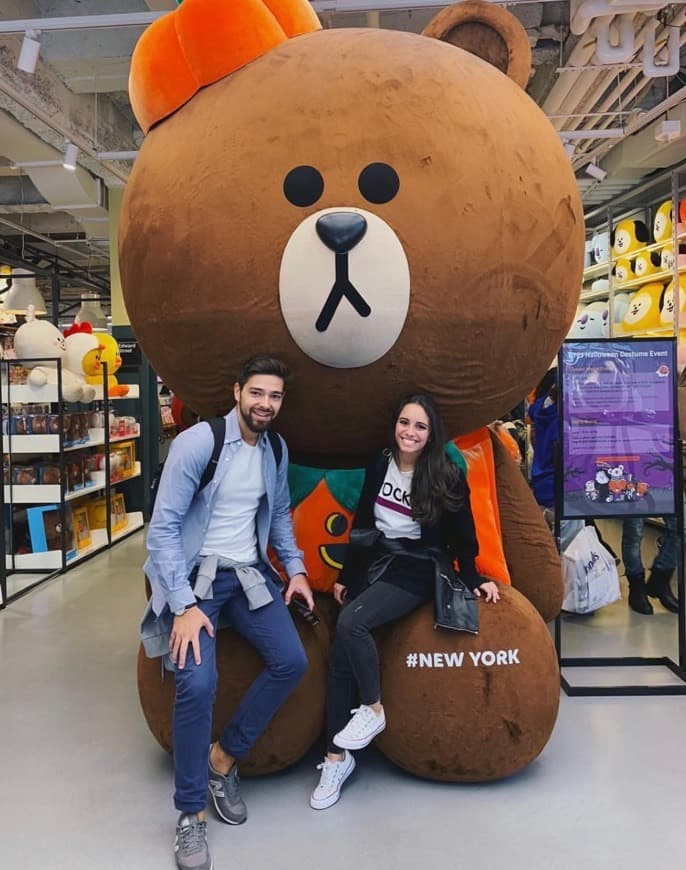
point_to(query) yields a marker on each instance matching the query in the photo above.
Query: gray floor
(84, 784)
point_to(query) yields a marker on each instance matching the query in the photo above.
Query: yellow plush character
(643, 312)
(667, 256)
(663, 223)
(110, 354)
(623, 271)
(647, 263)
(628, 236)
(667, 306)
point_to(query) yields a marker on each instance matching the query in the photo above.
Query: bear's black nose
(341, 231)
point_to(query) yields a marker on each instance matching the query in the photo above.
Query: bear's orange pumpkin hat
(201, 42)
(204, 40)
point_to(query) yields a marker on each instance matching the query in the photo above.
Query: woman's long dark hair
(435, 479)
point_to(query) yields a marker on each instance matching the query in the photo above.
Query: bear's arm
(530, 551)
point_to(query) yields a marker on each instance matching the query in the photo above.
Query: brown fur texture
(470, 723)
(294, 728)
(487, 213)
(530, 552)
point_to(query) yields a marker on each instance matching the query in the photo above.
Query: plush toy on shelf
(667, 306)
(643, 312)
(628, 236)
(663, 223)
(40, 339)
(600, 247)
(109, 354)
(623, 270)
(621, 304)
(647, 263)
(667, 256)
(592, 321)
(88, 350)
(79, 341)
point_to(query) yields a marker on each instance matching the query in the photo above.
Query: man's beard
(256, 424)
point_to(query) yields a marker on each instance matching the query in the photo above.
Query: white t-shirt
(232, 532)
(392, 511)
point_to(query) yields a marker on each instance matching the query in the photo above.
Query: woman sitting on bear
(413, 498)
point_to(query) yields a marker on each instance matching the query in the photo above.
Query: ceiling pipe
(651, 68)
(582, 12)
(621, 96)
(623, 51)
(628, 97)
(581, 55)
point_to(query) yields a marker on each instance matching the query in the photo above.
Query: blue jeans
(271, 632)
(667, 546)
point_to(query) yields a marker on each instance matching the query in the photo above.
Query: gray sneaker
(190, 848)
(226, 796)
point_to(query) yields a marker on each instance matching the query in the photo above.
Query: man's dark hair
(261, 364)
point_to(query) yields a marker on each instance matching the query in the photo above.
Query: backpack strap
(277, 447)
(218, 427)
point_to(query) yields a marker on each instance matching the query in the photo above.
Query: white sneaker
(334, 774)
(362, 728)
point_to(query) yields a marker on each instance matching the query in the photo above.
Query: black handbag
(455, 605)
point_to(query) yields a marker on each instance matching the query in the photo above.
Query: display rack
(641, 204)
(96, 493)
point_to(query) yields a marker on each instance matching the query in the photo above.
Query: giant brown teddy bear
(385, 211)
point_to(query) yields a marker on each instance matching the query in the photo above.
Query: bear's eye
(378, 182)
(303, 186)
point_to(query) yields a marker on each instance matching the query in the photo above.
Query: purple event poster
(618, 433)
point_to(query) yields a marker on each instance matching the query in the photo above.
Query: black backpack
(218, 427)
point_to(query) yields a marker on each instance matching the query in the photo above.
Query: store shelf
(134, 393)
(656, 277)
(594, 295)
(26, 394)
(52, 559)
(599, 270)
(135, 522)
(51, 493)
(28, 444)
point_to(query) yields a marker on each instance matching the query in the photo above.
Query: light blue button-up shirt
(182, 514)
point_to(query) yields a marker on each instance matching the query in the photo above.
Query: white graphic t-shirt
(392, 510)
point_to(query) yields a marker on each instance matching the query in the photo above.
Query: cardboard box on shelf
(81, 528)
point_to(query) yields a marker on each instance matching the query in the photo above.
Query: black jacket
(454, 532)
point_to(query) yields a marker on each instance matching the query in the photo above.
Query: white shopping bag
(590, 574)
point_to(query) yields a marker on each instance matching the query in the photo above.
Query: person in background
(543, 415)
(413, 498)
(658, 585)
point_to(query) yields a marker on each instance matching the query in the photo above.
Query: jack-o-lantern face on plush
(382, 210)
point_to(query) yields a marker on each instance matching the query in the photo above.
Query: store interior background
(607, 790)
(63, 223)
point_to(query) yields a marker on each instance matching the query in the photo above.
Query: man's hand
(339, 592)
(186, 630)
(299, 586)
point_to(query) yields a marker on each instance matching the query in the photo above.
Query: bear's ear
(488, 31)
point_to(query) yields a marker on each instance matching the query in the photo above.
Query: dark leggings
(354, 661)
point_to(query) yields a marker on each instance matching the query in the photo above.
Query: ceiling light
(71, 152)
(30, 50)
(22, 294)
(595, 171)
(91, 311)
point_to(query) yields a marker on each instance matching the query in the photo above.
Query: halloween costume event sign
(618, 427)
